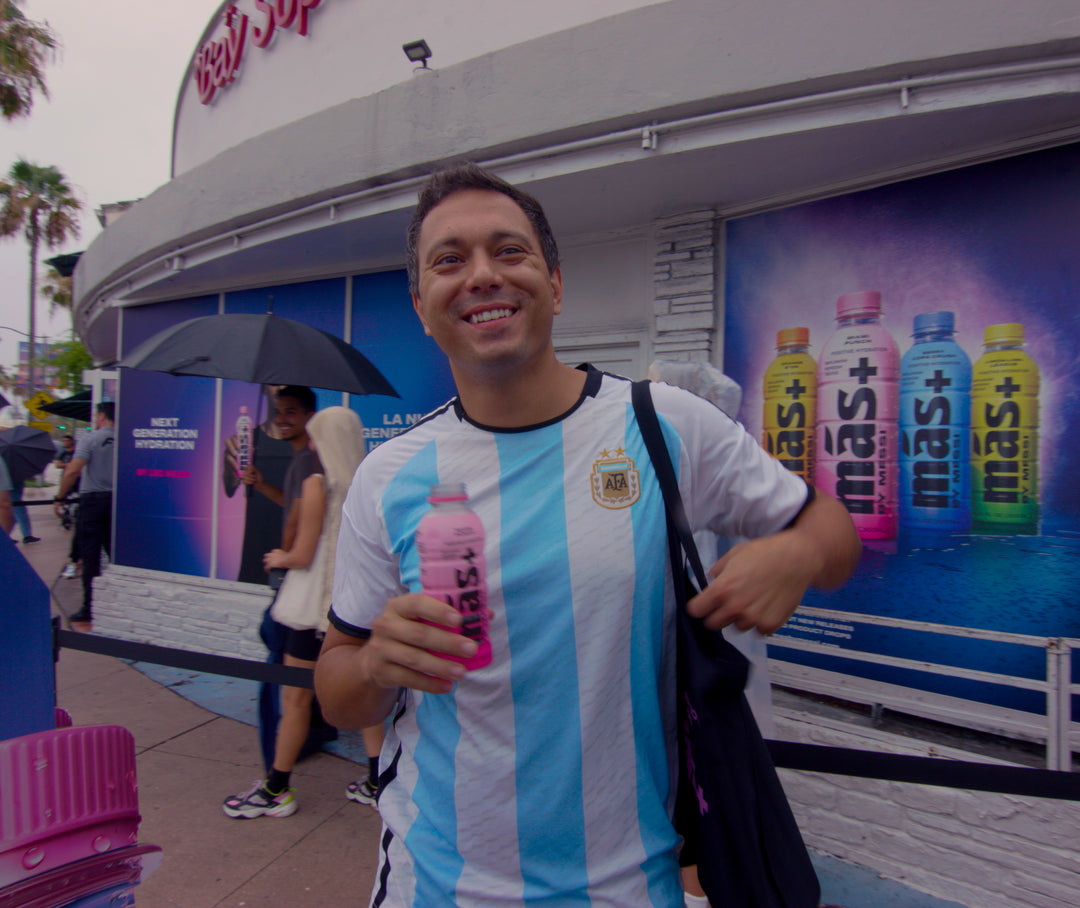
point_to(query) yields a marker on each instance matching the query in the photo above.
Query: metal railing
(1055, 728)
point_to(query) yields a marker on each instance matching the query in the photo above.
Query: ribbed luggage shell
(65, 794)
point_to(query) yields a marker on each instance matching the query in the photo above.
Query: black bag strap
(679, 533)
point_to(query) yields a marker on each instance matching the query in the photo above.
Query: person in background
(366, 791)
(335, 437)
(294, 405)
(21, 517)
(63, 458)
(66, 452)
(91, 468)
(547, 774)
(262, 515)
(7, 515)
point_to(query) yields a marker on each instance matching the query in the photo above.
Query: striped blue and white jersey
(547, 777)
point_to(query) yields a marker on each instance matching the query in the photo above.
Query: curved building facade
(716, 174)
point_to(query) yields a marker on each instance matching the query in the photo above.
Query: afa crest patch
(614, 480)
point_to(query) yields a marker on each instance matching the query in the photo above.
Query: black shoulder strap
(678, 526)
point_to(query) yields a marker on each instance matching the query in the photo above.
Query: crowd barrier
(1012, 780)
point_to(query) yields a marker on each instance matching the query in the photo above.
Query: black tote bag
(731, 809)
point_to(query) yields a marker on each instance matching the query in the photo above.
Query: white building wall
(352, 49)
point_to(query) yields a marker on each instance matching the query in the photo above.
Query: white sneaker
(68, 573)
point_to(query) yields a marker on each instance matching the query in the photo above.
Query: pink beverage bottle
(243, 441)
(858, 408)
(450, 540)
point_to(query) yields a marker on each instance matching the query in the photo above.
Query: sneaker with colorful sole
(258, 802)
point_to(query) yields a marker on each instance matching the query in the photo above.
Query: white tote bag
(301, 602)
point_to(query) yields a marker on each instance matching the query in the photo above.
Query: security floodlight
(418, 52)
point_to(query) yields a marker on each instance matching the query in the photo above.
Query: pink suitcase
(67, 796)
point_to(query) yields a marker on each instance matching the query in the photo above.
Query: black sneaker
(82, 615)
(31, 539)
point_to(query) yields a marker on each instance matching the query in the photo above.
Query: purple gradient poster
(164, 433)
(912, 349)
(180, 504)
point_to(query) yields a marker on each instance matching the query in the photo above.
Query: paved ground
(195, 749)
(188, 760)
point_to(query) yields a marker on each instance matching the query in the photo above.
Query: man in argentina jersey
(547, 777)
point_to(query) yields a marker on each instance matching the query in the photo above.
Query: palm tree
(56, 288)
(38, 201)
(24, 47)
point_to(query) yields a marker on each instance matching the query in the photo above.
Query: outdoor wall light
(418, 52)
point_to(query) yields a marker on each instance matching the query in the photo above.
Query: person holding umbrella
(26, 452)
(22, 518)
(92, 468)
(271, 455)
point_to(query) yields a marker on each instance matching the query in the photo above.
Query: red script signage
(218, 60)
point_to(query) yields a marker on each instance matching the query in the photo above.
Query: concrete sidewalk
(196, 744)
(189, 759)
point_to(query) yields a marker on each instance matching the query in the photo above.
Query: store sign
(218, 60)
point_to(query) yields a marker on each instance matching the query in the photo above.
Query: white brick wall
(684, 286)
(980, 849)
(191, 613)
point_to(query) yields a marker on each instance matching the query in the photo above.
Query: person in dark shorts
(294, 406)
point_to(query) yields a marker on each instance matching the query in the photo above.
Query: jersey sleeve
(366, 571)
(729, 483)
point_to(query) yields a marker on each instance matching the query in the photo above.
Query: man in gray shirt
(93, 462)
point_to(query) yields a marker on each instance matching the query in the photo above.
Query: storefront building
(715, 173)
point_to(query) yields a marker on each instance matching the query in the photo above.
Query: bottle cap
(1011, 333)
(792, 337)
(866, 302)
(448, 491)
(243, 410)
(928, 322)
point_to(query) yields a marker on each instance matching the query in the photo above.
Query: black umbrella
(75, 407)
(26, 451)
(264, 349)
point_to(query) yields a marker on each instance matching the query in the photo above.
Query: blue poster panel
(910, 350)
(164, 451)
(385, 328)
(181, 504)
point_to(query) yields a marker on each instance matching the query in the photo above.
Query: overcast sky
(107, 124)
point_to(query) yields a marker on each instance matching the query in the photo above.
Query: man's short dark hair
(302, 394)
(445, 183)
(108, 408)
(72, 437)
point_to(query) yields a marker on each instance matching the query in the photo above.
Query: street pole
(33, 307)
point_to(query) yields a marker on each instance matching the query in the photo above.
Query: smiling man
(547, 775)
